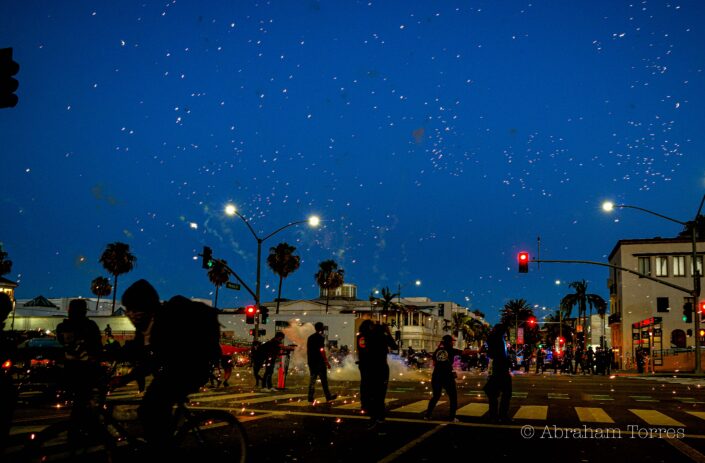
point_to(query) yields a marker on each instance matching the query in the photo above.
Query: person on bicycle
(83, 348)
(178, 368)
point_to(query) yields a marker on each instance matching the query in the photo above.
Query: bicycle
(210, 435)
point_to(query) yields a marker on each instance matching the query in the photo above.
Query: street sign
(234, 286)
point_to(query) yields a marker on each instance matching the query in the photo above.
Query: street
(566, 418)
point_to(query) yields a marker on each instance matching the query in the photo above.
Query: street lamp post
(231, 210)
(609, 206)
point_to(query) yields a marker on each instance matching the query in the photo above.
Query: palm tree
(458, 320)
(117, 259)
(516, 311)
(329, 277)
(582, 299)
(100, 287)
(5, 264)
(218, 275)
(283, 262)
(556, 325)
(388, 300)
(474, 331)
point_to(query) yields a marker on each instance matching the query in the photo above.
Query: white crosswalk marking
(214, 398)
(593, 415)
(319, 401)
(356, 405)
(656, 418)
(416, 407)
(532, 412)
(700, 415)
(473, 409)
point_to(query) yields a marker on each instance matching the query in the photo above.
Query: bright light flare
(230, 209)
(314, 221)
(608, 206)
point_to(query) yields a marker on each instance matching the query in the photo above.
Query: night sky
(436, 140)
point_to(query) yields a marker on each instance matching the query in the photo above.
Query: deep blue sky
(436, 139)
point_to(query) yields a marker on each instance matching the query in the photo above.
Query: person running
(374, 343)
(443, 377)
(318, 363)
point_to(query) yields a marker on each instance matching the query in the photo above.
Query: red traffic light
(561, 340)
(531, 321)
(523, 258)
(702, 307)
(250, 310)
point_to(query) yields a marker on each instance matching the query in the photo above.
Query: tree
(556, 325)
(218, 275)
(117, 259)
(517, 311)
(283, 262)
(329, 277)
(474, 331)
(5, 264)
(100, 287)
(582, 299)
(458, 321)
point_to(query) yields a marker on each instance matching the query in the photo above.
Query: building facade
(644, 313)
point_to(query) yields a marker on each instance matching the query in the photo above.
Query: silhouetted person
(8, 391)
(374, 343)
(179, 367)
(500, 379)
(270, 352)
(318, 364)
(83, 347)
(443, 377)
(257, 360)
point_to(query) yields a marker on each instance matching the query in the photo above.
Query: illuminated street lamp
(231, 210)
(609, 206)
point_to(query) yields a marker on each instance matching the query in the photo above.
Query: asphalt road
(556, 418)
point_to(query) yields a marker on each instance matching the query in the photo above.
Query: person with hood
(443, 377)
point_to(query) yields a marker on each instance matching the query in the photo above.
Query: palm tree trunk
(327, 298)
(97, 304)
(112, 311)
(216, 297)
(279, 294)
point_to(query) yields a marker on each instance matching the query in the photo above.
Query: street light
(231, 210)
(608, 206)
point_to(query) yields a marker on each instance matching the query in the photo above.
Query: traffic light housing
(8, 85)
(264, 315)
(701, 304)
(207, 262)
(250, 312)
(523, 259)
(688, 312)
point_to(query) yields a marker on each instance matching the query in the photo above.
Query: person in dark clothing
(270, 354)
(178, 368)
(373, 344)
(500, 379)
(83, 347)
(8, 390)
(443, 377)
(318, 364)
(539, 360)
(257, 360)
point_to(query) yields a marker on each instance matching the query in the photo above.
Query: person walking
(318, 364)
(499, 381)
(539, 360)
(270, 353)
(443, 377)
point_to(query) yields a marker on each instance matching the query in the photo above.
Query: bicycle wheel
(64, 442)
(212, 435)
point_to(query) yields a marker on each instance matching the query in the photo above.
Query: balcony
(614, 318)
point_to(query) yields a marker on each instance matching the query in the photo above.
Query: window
(645, 265)
(661, 264)
(662, 304)
(678, 266)
(699, 264)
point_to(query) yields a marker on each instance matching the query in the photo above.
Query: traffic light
(250, 312)
(441, 310)
(264, 315)
(8, 85)
(701, 304)
(207, 257)
(531, 321)
(523, 258)
(561, 341)
(688, 312)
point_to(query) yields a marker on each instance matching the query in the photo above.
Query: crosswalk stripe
(643, 398)
(473, 409)
(700, 415)
(272, 398)
(656, 418)
(593, 415)
(215, 398)
(319, 401)
(598, 397)
(557, 396)
(416, 407)
(532, 412)
(356, 405)
(15, 430)
(689, 400)
(520, 395)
